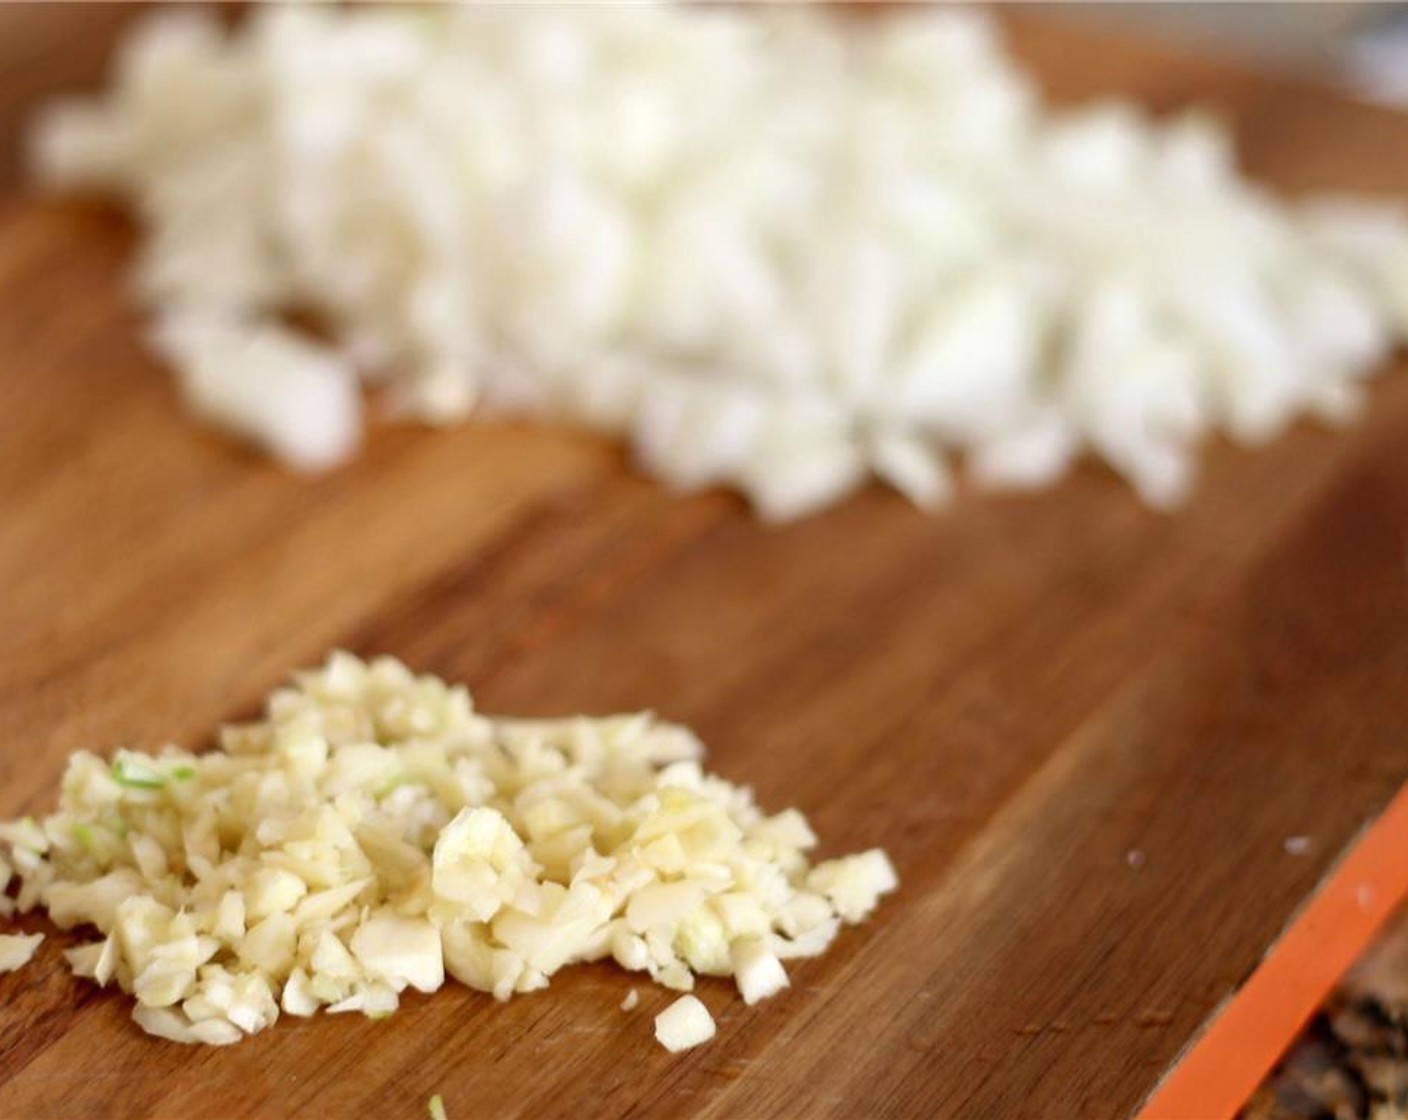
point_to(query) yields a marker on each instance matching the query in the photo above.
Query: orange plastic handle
(1218, 1075)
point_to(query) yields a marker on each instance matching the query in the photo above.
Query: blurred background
(1361, 46)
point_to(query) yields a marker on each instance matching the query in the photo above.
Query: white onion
(778, 251)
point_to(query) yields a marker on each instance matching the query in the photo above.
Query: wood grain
(1009, 697)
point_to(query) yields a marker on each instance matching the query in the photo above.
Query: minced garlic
(16, 949)
(375, 833)
(684, 1024)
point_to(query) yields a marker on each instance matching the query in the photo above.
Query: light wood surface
(1009, 697)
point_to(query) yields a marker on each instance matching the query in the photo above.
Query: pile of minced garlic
(374, 832)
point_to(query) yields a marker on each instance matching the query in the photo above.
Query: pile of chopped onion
(777, 251)
(374, 833)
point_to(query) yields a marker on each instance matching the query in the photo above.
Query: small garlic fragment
(756, 970)
(16, 949)
(685, 1023)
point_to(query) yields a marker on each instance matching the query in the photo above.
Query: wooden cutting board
(1009, 697)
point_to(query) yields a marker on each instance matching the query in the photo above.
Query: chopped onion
(869, 251)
